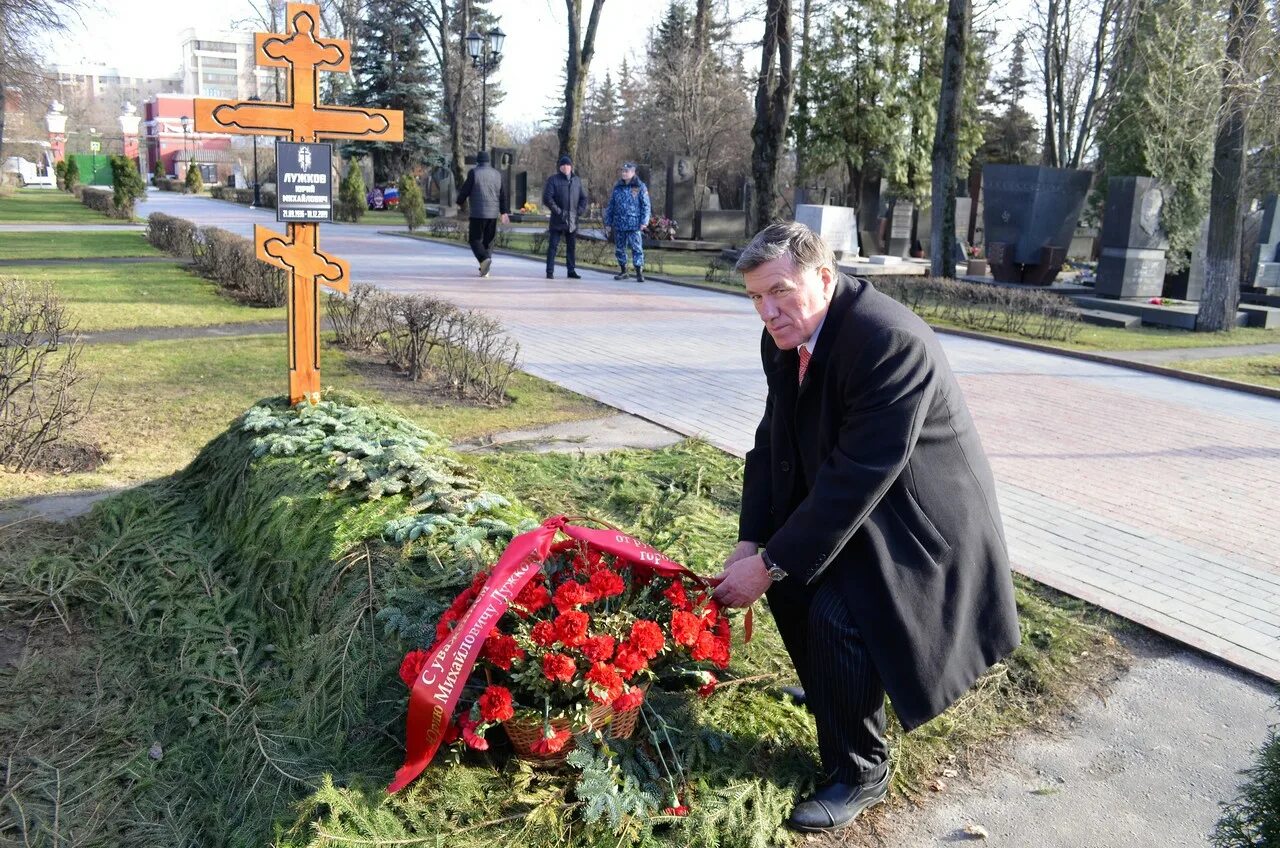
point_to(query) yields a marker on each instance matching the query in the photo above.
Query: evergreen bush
(73, 174)
(411, 205)
(127, 186)
(194, 182)
(1252, 820)
(60, 173)
(351, 201)
(157, 173)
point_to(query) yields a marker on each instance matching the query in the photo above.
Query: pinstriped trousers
(841, 684)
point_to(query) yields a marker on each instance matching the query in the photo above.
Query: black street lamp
(257, 198)
(485, 56)
(186, 123)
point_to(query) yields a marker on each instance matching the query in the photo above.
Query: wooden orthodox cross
(303, 54)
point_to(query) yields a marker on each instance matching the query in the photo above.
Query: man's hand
(743, 581)
(742, 550)
(506, 219)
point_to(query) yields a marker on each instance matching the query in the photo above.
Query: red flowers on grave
(582, 641)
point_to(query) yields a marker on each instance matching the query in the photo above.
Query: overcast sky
(142, 38)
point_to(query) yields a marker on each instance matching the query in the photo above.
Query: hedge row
(220, 256)
(235, 195)
(1024, 312)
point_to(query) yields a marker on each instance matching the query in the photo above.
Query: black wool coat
(566, 198)
(871, 475)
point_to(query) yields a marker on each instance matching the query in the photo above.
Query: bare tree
(582, 49)
(1073, 70)
(946, 139)
(24, 28)
(1226, 194)
(774, 89)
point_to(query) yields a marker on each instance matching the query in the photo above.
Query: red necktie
(804, 361)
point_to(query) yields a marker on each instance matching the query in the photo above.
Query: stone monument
(1133, 239)
(838, 225)
(679, 204)
(1191, 285)
(1266, 256)
(445, 191)
(898, 229)
(522, 191)
(1029, 216)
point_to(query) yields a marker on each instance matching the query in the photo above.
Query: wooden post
(301, 118)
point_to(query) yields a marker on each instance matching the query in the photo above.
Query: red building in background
(174, 148)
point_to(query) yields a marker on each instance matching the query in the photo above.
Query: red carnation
(553, 744)
(469, 735)
(495, 704)
(685, 627)
(603, 684)
(680, 811)
(633, 698)
(710, 647)
(544, 634)
(533, 597)
(647, 638)
(559, 667)
(629, 661)
(676, 595)
(605, 583)
(501, 650)
(411, 668)
(598, 648)
(707, 688)
(445, 626)
(572, 594)
(571, 628)
(477, 582)
(452, 734)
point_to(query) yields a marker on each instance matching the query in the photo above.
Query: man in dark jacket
(868, 515)
(566, 197)
(487, 191)
(626, 216)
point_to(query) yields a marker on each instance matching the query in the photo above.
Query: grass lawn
(45, 206)
(74, 245)
(157, 403)
(119, 296)
(1262, 370)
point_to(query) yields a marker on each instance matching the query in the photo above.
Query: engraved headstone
(1191, 287)
(899, 228)
(504, 159)
(1133, 240)
(445, 190)
(1266, 255)
(522, 191)
(1029, 216)
(679, 200)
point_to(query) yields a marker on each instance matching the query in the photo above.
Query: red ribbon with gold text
(435, 693)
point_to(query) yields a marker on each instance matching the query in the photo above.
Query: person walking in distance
(628, 211)
(566, 197)
(487, 192)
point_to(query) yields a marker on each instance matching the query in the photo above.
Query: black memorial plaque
(304, 182)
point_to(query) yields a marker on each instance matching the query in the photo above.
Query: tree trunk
(582, 50)
(702, 26)
(453, 101)
(946, 139)
(802, 94)
(1226, 196)
(774, 89)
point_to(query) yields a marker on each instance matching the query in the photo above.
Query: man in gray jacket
(485, 189)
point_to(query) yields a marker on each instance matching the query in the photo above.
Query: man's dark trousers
(570, 250)
(841, 685)
(481, 235)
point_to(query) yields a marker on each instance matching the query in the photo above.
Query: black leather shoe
(574, 275)
(796, 694)
(550, 276)
(639, 275)
(836, 805)
(621, 275)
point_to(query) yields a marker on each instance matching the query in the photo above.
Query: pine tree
(73, 173)
(60, 173)
(194, 182)
(392, 72)
(157, 173)
(351, 195)
(127, 185)
(411, 206)
(1161, 121)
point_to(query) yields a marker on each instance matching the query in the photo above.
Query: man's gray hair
(806, 248)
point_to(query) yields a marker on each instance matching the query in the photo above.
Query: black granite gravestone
(1133, 239)
(522, 191)
(679, 201)
(1029, 217)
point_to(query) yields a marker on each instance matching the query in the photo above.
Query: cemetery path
(1149, 496)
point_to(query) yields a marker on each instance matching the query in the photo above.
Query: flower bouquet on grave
(565, 638)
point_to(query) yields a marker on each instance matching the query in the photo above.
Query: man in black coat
(566, 197)
(868, 515)
(487, 191)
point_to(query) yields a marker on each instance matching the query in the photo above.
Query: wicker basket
(524, 732)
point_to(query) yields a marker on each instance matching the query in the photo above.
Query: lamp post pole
(257, 197)
(186, 124)
(485, 51)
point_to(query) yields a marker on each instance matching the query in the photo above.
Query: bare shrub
(595, 251)
(40, 378)
(538, 244)
(175, 236)
(352, 316)
(1032, 313)
(232, 263)
(479, 358)
(445, 228)
(413, 326)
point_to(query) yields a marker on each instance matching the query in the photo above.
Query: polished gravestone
(522, 191)
(1133, 240)
(1029, 217)
(898, 229)
(679, 205)
(1266, 256)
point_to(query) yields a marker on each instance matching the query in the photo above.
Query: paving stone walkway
(1150, 496)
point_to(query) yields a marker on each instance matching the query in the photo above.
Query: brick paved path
(1153, 497)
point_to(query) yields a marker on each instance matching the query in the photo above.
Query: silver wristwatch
(776, 572)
